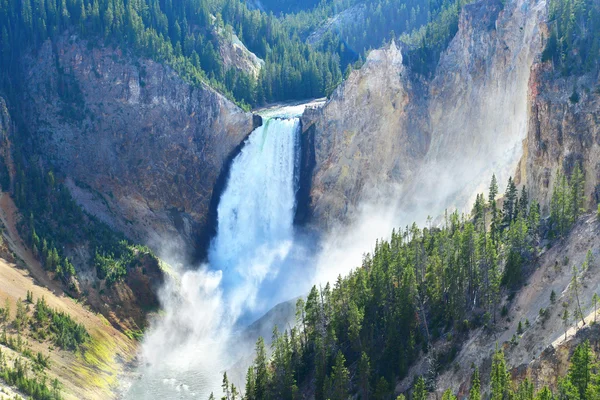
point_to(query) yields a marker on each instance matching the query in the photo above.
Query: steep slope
(439, 136)
(93, 371)
(371, 132)
(546, 333)
(478, 100)
(564, 129)
(141, 148)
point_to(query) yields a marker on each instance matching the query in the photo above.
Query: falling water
(187, 348)
(256, 210)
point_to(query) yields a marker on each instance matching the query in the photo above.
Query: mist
(259, 259)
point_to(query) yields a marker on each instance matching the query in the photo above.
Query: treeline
(574, 41)
(425, 26)
(413, 289)
(428, 42)
(185, 35)
(421, 285)
(582, 382)
(188, 36)
(292, 68)
(41, 323)
(59, 326)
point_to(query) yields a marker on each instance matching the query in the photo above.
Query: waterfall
(256, 210)
(186, 350)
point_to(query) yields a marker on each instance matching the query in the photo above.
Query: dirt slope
(543, 336)
(91, 373)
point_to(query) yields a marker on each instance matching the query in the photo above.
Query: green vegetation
(420, 286)
(35, 385)
(43, 323)
(59, 326)
(568, 202)
(429, 41)
(582, 382)
(184, 35)
(574, 42)
(188, 35)
(56, 223)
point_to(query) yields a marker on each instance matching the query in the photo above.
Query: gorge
(178, 222)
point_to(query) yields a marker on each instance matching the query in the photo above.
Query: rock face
(564, 129)
(141, 148)
(371, 132)
(437, 140)
(236, 55)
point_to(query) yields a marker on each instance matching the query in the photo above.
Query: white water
(256, 211)
(186, 350)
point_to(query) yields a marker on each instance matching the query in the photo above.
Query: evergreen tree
(340, 378)
(575, 286)
(509, 205)
(475, 392)
(364, 376)
(576, 195)
(580, 371)
(499, 377)
(420, 391)
(261, 384)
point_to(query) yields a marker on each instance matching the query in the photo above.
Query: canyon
(151, 155)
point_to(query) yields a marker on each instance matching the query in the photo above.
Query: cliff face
(371, 132)
(437, 140)
(142, 149)
(564, 130)
(478, 99)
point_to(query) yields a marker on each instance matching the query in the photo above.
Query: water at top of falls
(256, 210)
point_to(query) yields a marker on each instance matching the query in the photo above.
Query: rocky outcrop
(564, 129)
(141, 148)
(236, 55)
(369, 133)
(438, 141)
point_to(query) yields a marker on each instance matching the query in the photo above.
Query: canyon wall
(564, 130)
(141, 148)
(437, 142)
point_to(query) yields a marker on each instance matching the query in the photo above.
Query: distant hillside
(282, 6)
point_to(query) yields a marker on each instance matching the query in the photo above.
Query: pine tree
(495, 215)
(475, 392)
(510, 199)
(226, 388)
(524, 203)
(558, 206)
(364, 376)
(493, 192)
(250, 385)
(525, 391)
(575, 286)
(340, 378)
(420, 391)
(499, 377)
(565, 319)
(576, 197)
(544, 394)
(382, 389)
(595, 299)
(261, 385)
(580, 373)
(533, 221)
